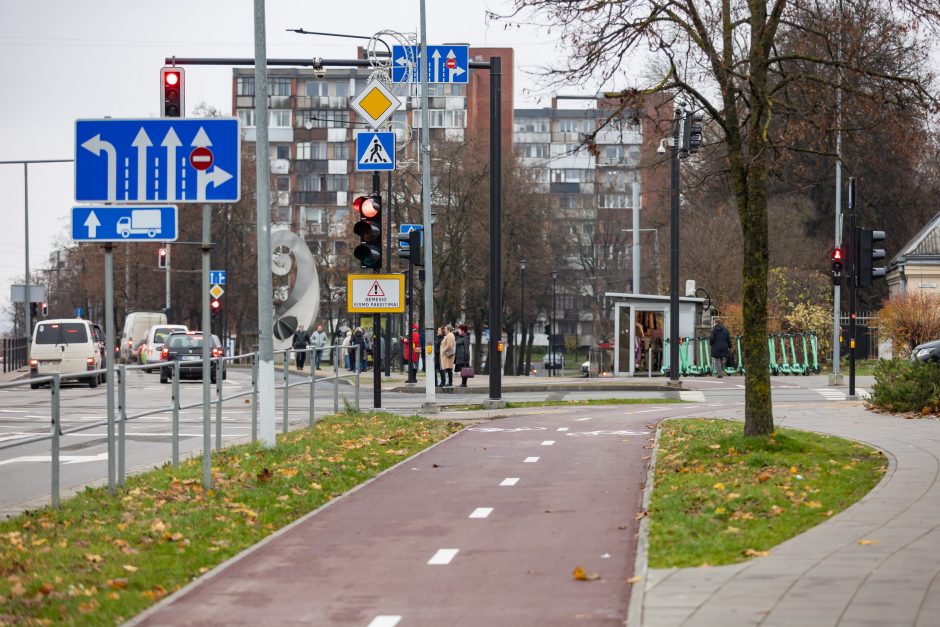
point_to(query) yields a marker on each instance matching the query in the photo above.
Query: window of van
(159, 335)
(61, 333)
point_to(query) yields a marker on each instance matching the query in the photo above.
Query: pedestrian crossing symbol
(375, 151)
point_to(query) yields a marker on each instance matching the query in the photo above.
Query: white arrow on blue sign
(159, 160)
(404, 229)
(446, 64)
(216, 277)
(124, 223)
(375, 152)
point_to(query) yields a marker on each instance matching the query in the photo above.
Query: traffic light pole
(853, 280)
(494, 359)
(674, 255)
(377, 318)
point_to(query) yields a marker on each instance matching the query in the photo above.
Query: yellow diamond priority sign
(375, 103)
(216, 291)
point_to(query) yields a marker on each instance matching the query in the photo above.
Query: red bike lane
(485, 528)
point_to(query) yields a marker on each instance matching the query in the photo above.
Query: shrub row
(906, 386)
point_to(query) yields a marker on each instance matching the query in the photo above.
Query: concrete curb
(638, 591)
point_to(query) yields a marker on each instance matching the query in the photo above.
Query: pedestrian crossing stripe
(375, 151)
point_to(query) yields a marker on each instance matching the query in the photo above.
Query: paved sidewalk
(825, 576)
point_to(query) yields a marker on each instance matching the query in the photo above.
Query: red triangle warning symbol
(376, 289)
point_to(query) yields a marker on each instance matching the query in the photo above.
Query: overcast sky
(79, 59)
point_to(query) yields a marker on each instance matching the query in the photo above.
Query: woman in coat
(448, 351)
(462, 353)
(439, 380)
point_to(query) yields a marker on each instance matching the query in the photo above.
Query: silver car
(152, 346)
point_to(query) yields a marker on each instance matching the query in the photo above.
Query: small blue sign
(375, 152)
(124, 223)
(404, 229)
(162, 160)
(446, 64)
(216, 277)
(78, 312)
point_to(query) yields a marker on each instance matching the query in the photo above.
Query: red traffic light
(215, 304)
(171, 91)
(837, 255)
(171, 79)
(367, 206)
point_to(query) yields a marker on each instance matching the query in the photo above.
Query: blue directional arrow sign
(446, 64)
(124, 223)
(404, 229)
(157, 160)
(375, 151)
(216, 277)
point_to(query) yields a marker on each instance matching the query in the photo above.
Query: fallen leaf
(763, 477)
(117, 584)
(714, 446)
(283, 497)
(18, 590)
(813, 504)
(288, 472)
(732, 529)
(719, 486)
(88, 607)
(157, 526)
(94, 558)
(579, 574)
(634, 579)
(640, 515)
(794, 470)
(131, 569)
(46, 588)
(754, 553)
(867, 542)
(156, 593)
(264, 476)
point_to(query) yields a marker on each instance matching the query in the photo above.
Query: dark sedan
(928, 351)
(186, 348)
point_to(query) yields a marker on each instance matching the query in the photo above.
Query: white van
(136, 326)
(68, 347)
(156, 338)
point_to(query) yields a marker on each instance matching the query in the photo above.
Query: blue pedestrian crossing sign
(124, 223)
(446, 64)
(162, 160)
(375, 151)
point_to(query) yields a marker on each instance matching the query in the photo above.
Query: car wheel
(163, 376)
(93, 381)
(35, 386)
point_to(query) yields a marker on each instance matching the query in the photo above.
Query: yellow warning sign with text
(375, 293)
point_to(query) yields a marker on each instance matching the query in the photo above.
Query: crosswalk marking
(696, 396)
(830, 394)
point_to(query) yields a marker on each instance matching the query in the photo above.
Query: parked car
(928, 351)
(553, 360)
(586, 369)
(71, 347)
(186, 348)
(156, 338)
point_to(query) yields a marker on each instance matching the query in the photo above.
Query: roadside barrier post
(286, 387)
(122, 420)
(56, 429)
(358, 370)
(336, 379)
(313, 391)
(219, 366)
(176, 413)
(254, 397)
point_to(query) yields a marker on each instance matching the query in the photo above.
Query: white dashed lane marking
(562, 429)
(481, 512)
(695, 396)
(443, 557)
(583, 419)
(530, 460)
(548, 442)
(510, 481)
(385, 620)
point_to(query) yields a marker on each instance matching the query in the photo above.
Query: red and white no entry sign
(201, 158)
(451, 63)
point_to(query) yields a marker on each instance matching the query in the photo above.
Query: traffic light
(692, 133)
(33, 310)
(413, 252)
(867, 255)
(369, 230)
(215, 307)
(838, 262)
(45, 309)
(161, 258)
(171, 92)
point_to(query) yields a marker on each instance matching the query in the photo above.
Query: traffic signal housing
(369, 230)
(868, 254)
(161, 258)
(33, 310)
(692, 133)
(215, 307)
(413, 252)
(171, 92)
(838, 263)
(44, 309)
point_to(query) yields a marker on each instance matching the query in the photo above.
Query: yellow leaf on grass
(18, 590)
(714, 446)
(754, 553)
(117, 584)
(94, 558)
(288, 472)
(156, 593)
(867, 542)
(315, 486)
(38, 542)
(732, 530)
(719, 510)
(719, 486)
(157, 526)
(813, 504)
(130, 568)
(794, 470)
(88, 606)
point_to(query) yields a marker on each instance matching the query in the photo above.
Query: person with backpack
(300, 341)
(720, 342)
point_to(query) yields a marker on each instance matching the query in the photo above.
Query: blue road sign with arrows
(159, 160)
(404, 229)
(124, 223)
(216, 277)
(446, 64)
(375, 152)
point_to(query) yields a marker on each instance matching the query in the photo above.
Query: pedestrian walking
(415, 345)
(347, 350)
(720, 342)
(318, 341)
(359, 340)
(448, 352)
(439, 380)
(462, 353)
(300, 341)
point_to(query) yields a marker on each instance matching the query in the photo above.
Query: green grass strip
(721, 498)
(103, 558)
(572, 403)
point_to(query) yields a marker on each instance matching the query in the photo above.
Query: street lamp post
(674, 253)
(522, 323)
(551, 328)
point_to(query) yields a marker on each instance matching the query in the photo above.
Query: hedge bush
(906, 386)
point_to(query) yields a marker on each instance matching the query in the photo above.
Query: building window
(316, 88)
(534, 151)
(342, 89)
(245, 86)
(337, 183)
(311, 150)
(311, 182)
(443, 118)
(279, 87)
(283, 183)
(576, 126)
(321, 118)
(282, 151)
(614, 201)
(338, 150)
(246, 117)
(537, 125)
(279, 118)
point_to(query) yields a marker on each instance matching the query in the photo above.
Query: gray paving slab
(825, 576)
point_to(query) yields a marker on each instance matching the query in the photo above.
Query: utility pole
(430, 404)
(674, 252)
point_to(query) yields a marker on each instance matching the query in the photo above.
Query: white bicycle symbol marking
(512, 430)
(609, 432)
